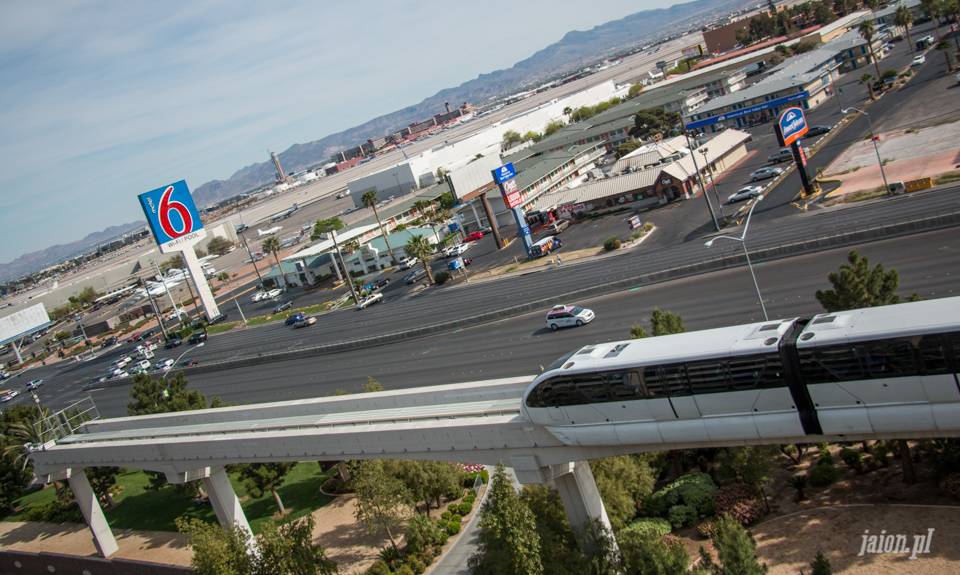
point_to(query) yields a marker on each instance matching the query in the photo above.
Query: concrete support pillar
(575, 484)
(200, 282)
(476, 216)
(581, 498)
(92, 513)
(224, 500)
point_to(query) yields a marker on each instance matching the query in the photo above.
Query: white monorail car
(885, 372)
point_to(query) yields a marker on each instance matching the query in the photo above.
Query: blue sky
(101, 101)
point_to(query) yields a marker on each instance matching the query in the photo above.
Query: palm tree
(568, 111)
(419, 247)
(872, 5)
(867, 32)
(369, 200)
(865, 79)
(421, 206)
(953, 8)
(272, 245)
(934, 9)
(904, 18)
(944, 45)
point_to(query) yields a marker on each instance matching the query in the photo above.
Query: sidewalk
(909, 155)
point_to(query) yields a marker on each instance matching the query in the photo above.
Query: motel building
(803, 81)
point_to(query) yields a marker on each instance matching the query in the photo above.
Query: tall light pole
(713, 182)
(244, 238)
(706, 196)
(742, 239)
(349, 280)
(166, 388)
(873, 138)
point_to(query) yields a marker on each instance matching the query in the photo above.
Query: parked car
(745, 193)
(377, 284)
(485, 230)
(274, 293)
(292, 319)
(259, 296)
(784, 155)
(817, 131)
(197, 338)
(764, 173)
(283, 306)
(370, 300)
(309, 320)
(415, 275)
(568, 315)
(219, 319)
(557, 226)
(172, 343)
(918, 60)
(473, 237)
(455, 250)
(407, 263)
(35, 384)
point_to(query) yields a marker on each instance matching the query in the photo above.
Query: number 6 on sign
(166, 206)
(172, 216)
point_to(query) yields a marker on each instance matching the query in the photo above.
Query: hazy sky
(101, 101)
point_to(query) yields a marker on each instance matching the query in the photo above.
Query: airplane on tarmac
(269, 232)
(290, 241)
(285, 214)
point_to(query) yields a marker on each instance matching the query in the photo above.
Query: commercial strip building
(674, 177)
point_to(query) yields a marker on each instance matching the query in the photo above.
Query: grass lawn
(140, 509)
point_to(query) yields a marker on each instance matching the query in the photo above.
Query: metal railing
(67, 421)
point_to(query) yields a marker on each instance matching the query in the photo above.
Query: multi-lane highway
(928, 263)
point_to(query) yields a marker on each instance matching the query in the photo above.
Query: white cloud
(104, 100)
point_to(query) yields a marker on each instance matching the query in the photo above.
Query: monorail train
(885, 372)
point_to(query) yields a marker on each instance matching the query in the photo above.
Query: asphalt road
(928, 263)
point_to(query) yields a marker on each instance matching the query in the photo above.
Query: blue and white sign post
(790, 127)
(175, 222)
(505, 177)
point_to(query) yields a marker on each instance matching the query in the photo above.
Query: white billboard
(23, 322)
(473, 176)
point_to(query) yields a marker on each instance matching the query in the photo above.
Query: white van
(144, 365)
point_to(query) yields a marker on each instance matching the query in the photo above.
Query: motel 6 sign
(791, 126)
(173, 217)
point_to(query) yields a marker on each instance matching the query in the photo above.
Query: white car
(258, 296)
(744, 193)
(10, 395)
(568, 315)
(273, 293)
(370, 300)
(406, 263)
(918, 60)
(455, 250)
(764, 173)
(163, 365)
(35, 384)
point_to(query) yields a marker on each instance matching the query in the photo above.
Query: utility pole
(167, 289)
(348, 279)
(244, 238)
(156, 308)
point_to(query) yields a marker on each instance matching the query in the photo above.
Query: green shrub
(456, 518)
(472, 478)
(951, 485)
(445, 515)
(453, 528)
(655, 505)
(681, 515)
(465, 508)
(823, 474)
(707, 528)
(611, 243)
(441, 277)
(648, 525)
(741, 501)
(854, 460)
(636, 234)
(825, 458)
(54, 512)
(405, 570)
(647, 227)
(470, 498)
(693, 489)
(707, 508)
(378, 568)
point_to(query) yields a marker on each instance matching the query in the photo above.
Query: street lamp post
(696, 168)
(713, 182)
(166, 388)
(742, 239)
(873, 138)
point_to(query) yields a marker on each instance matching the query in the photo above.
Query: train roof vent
(587, 350)
(770, 326)
(825, 319)
(616, 350)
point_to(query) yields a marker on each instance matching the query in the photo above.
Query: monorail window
(566, 393)
(746, 372)
(890, 359)
(707, 376)
(933, 353)
(830, 364)
(954, 339)
(673, 378)
(591, 386)
(624, 385)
